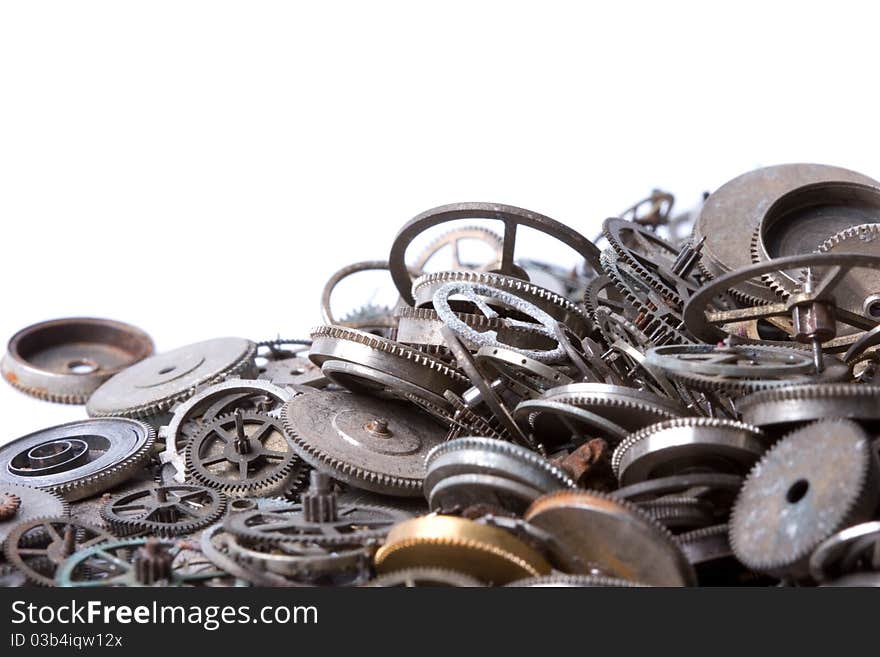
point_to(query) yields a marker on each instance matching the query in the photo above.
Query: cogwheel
(370, 443)
(612, 228)
(855, 239)
(155, 384)
(395, 367)
(591, 529)
(561, 309)
(367, 313)
(561, 580)
(9, 505)
(805, 403)
(350, 525)
(452, 237)
(630, 408)
(688, 444)
(164, 510)
(656, 316)
(78, 459)
(244, 454)
(773, 281)
(27, 503)
(812, 483)
(418, 577)
(39, 546)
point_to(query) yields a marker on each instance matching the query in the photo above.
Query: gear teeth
(124, 527)
(583, 581)
(860, 505)
(279, 479)
(506, 283)
(389, 347)
(678, 423)
(44, 395)
(500, 447)
(149, 411)
(859, 232)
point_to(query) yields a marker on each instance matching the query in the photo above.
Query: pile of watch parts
(693, 403)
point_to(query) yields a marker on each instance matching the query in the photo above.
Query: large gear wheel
(591, 531)
(367, 363)
(421, 577)
(244, 454)
(470, 471)
(778, 407)
(482, 551)
(164, 510)
(78, 459)
(564, 581)
(815, 481)
(39, 546)
(154, 385)
(573, 315)
(688, 445)
(204, 407)
(366, 442)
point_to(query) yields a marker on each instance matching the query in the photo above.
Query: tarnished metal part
(66, 360)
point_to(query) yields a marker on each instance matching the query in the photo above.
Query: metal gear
(468, 471)
(815, 481)
(138, 562)
(208, 403)
(557, 306)
(367, 442)
(154, 385)
(65, 360)
(382, 365)
(594, 531)
(856, 548)
(688, 445)
(39, 546)
(78, 459)
(10, 503)
(244, 454)
(782, 406)
(164, 510)
(482, 551)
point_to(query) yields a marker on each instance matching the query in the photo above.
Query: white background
(200, 168)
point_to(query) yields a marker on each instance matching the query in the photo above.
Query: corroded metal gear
(244, 454)
(369, 443)
(154, 385)
(688, 445)
(592, 531)
(10, 503)
(25, 503)
(804, 403)
(78, 459)
(482, 551)
(365, 362)
(38, 547)
(815, 481)
(65, 360)
(164, 510)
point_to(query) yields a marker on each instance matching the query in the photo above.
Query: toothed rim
(129, 526)
(113, 473)
(501, 447)
(322, 460)
(234, 525)
(810, 391)
(277, 479)
(25, 490)
(771, 280)
(390, 347)
(583, 581)
(12, 556)
(584, 496)
(679, 423)
(44, 395)
(697, 535)
(390, 549)
(434, 245)
(587, 401)
(846, 234)
(867, 476)
(159, 406)
(646, 275)
(507, 283)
